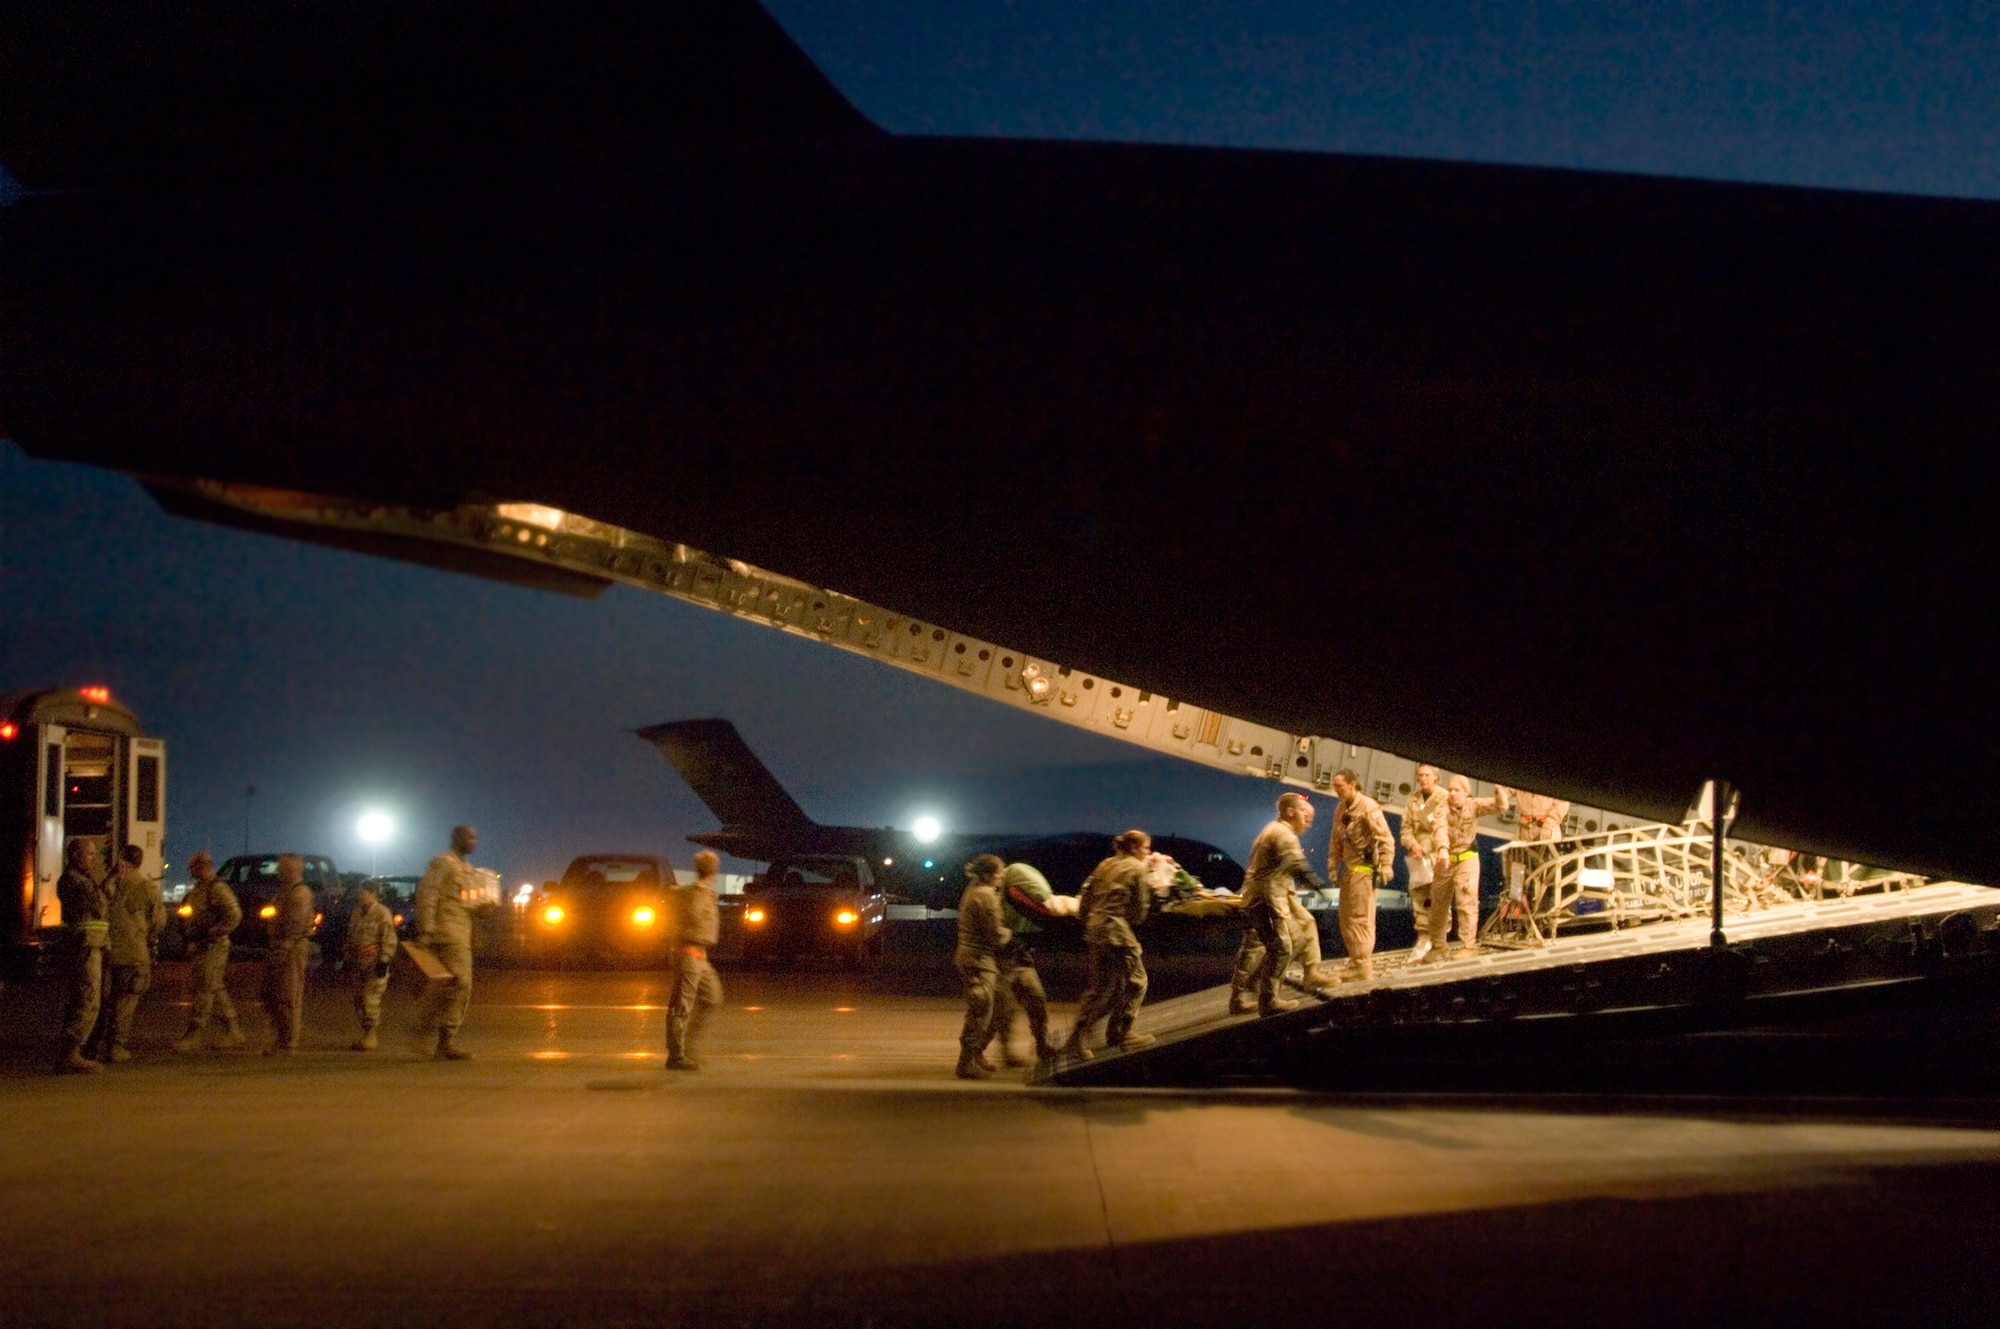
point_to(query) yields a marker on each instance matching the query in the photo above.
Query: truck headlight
(643, 917)
(753, 915)
(846, 918)
(552, 915)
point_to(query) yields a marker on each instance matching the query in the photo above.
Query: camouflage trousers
(1261, 965)
(208, 981)
(1018, 989)
(980, 974)
(697, 991)
(124, 984)
(284, 992)
(455, 995)
(1116, 990)
(368, 990)
(86, 992)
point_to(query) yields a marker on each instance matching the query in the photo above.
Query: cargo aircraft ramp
(1486, 1020)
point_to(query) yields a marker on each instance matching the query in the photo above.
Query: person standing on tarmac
(1457, 890)
(211, 912)
(138, 915)
(290, 940)
(370, 947)
(981, 937)
(1280, 927)
(450, 891)
(697, 988)
(1361, 856)
(85, 898)
(1423, 839)
(1024, 897)
(1114, 899)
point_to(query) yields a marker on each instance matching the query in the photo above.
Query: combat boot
(1420, 950)
(232, 1036)
(682, 1064)
(448, 1049)
(74, 1060)
(1239, 1003)
(1276, 1006)
(118, 1053)
(1130, 1042)
(970, 1067)
(367, 1042)
(189, 1042)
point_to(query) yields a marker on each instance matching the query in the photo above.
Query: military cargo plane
(1693, 478)
(762, 822)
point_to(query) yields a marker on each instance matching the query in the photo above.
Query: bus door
(51, 743)
(146, 779)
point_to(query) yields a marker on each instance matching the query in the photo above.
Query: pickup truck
(814, 904)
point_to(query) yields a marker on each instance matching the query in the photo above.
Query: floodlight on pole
(374, 828)
(927, 829)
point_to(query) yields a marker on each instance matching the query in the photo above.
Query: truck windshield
(597, 874)
(839, 875)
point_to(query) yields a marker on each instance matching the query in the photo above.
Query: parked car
(607, 908)
(814, 904)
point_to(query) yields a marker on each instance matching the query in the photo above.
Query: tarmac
(824, 1168)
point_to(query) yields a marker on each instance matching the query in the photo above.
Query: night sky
(334, 682)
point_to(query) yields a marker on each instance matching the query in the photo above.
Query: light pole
(374, 828)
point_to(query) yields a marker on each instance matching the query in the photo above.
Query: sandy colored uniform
(981, 935)
(1281, 929)
(1423, 839)
(1458, 890)
(138, 915)
(370, 946)
(213, 913)
(697, 988)
(1362, 856)
(451, 890)
(86, 917)
(284, 990)
(1540, 817)
(1115, 898)
(1024, 897)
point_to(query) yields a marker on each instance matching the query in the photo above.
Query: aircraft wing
(1593, 484)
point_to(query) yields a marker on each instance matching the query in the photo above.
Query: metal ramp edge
(1629, 983)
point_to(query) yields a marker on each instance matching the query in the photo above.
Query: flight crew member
(290, 941)
(1114, 899)
(1280, 927)
(212, 912)
(1538, 817)
(697, 989)
(1024, 899)
(1458, 867)
(138, 914)
(85, 898)
(1423, 837)
(451, 890)
(369, 949)
(1361, 857)
(981, 935)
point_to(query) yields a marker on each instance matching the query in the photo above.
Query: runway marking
(535, 1006)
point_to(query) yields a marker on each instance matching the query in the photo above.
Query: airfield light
(847, 918)
(643, 916)
(927, 829)
(318, 919)
(268, 911)
(398, 920)
(8, 731)
(185, 911)
(753, 916)
(374, 828)
(928, 863)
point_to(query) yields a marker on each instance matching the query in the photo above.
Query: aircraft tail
(726, 775)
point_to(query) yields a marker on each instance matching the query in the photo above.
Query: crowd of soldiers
(111, 932)
(1440, 828)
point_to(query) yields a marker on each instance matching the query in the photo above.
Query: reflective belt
(96, 932)
(1368, 868)
(1464, 854)
(694, 952)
